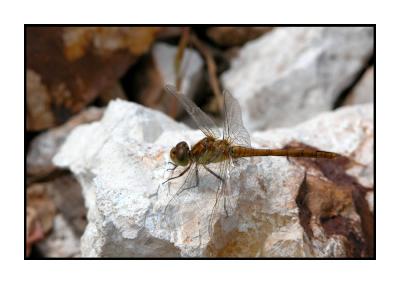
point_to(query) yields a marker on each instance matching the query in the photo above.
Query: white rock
(44, 146)
(121, 163)
(291, 74)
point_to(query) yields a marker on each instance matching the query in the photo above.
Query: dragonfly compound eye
(180, 154)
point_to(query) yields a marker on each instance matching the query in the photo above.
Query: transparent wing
(181, 200)
(187, 204)
(203, 121)
(223, 204)
(234, 130)
(190, 180)
(184, 212)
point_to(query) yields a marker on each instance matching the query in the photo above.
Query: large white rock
(121, 163)
(291, 74)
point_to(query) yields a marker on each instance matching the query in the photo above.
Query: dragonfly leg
(181, 174)
(214, 174)
(193, 186)
(173, 167)
(182, 189)
(221, 179)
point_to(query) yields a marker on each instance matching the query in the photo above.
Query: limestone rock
(279, 205)
(291, 74)
(45, 146)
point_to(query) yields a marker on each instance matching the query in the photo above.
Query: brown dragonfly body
(210, 150)
(222, 150)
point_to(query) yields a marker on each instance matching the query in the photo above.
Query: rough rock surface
(46, 145)
(278, 209)
(68, 67)
(363, 92)
(291, 74)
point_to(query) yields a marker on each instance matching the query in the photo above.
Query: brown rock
(34, 231)
(66, 193)
(235, 36)
(56, 216)
(334, 201)
(40, 114)
(40, 208)
(72, 65)
(111, 93)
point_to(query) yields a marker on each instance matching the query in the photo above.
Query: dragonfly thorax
(180, 154)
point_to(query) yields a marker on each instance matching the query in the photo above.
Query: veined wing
(182, 202)
(224, 203)
(234, 130)
(203, 121)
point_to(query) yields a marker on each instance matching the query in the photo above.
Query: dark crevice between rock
(129, 83)
(355, 245)
(304, 211)
(335, 171)
(343, 95)
(29, 136)
(47, 178)
(35, 253)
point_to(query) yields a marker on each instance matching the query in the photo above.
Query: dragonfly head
(180, 154)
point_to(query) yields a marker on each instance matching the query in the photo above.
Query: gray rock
(158, 70)
(363, 91)
(192, 66)
(62, 242)
(121, 163)
(45, 146)
(291, 74)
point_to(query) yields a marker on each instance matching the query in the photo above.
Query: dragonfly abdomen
(239, 152)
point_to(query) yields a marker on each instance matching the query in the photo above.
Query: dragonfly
(220, 149)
